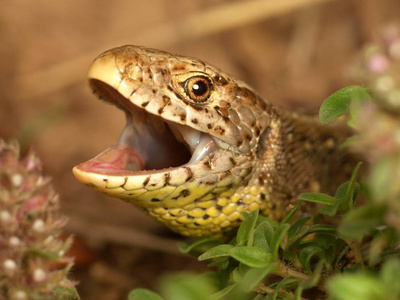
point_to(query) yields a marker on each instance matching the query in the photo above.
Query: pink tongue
(116, 159)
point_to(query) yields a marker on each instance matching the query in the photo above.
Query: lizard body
(201, 146)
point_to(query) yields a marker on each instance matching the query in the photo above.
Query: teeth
(205, 146)
(200, 144)
(187, 134)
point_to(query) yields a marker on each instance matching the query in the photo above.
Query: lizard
(201, 146)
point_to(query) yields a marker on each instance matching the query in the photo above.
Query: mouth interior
(148, 142)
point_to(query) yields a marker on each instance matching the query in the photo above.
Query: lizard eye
(198, 88)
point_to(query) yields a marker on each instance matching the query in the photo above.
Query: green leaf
(262, 219)
(51, 255)
(284, 284)
(69, 293)
(251, 256)
(254, 276)
(246, 229)
(296, 234)
(291, 252)
(290, 215)
(390, 276)
(201, 245)
(313, 280)
(297, 226)
(218, 251)
(306, 255)
(263, 235)
(338, 103)
(349, 142)
(277, 238)
(222, 293)
(143, 294)
(220, 263)
(361, 220)
(318, 228)
(318, 198)
(355, 287)
(352, 185)
(187, 286)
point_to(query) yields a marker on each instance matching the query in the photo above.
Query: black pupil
(200, 88)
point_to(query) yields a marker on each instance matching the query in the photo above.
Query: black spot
(198, 108)
(160, 110)
(219, 207)
(209, 126)
(262, 196)
(154, 91)
(189, 174)
(144, 104)
(183, 117)
(167, 178)
(161, 71)
(184, 193)
(219, 130)
(179, 68)
(196, 224)
(155, 200)
(150, 75)
(205, 217)
(190, 217)
(232, 161)
(207, 164)
(195, 121)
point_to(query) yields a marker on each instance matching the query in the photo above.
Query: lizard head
(189, 147)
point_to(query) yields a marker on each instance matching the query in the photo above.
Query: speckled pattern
(265, 158)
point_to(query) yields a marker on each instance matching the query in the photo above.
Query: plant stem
(284, 271)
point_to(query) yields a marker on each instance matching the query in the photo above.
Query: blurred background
(293, 52)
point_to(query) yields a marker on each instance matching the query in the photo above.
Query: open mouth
(148, 143)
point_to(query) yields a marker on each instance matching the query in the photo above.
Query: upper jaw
(149, 143)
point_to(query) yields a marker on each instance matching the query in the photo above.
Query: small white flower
(9, 267)
(5, 216)
(14, 241)
(17, 180)
(38, 225)
(20, 295)
(39, 275)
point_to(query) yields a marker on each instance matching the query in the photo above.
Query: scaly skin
(260, 156)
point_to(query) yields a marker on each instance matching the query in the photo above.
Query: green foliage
(356, 256)
(339, 103)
